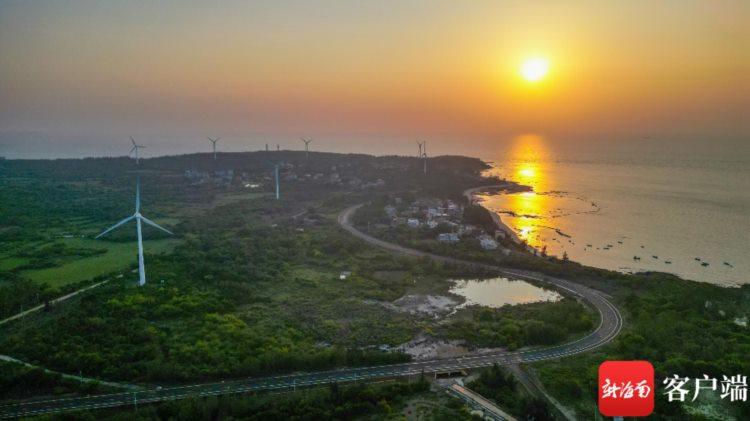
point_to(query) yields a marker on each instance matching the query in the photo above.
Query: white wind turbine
(276, 175)
(307, 146)
(214, 143)
(135, 148)
(420, 144)
(138, 218)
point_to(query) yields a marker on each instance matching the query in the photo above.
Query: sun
(534, 69)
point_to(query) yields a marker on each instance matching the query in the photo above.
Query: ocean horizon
(649, 207)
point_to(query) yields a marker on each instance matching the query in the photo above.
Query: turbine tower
(276, 176)
(138, 218)
(214, 143)
(419, 145)
(307, 146)
(424, 155)
(135, 148)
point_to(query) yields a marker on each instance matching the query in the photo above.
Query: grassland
(118, 256)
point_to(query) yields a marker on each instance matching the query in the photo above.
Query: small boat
(655, 257)
(642, 247)
(636, 258)
(697, 259)
(728, 264)
(619, 242)
(704, 264)
(588, 245)
(668, 262)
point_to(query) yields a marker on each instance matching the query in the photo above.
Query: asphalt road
(611, 323)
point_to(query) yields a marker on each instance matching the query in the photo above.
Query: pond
(497, 292)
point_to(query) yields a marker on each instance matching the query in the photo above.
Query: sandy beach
(495, 217)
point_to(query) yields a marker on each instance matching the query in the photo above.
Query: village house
(448, 237)
(487, 242)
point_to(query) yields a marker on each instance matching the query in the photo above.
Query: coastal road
(609, 327)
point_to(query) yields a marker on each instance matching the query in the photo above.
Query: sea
(678, 208)
(630, 204)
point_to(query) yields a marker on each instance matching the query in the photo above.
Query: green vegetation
(89, 262)
(336, 402)
(250, 286)
(680, 326)
(17, 380)
(517, 326)
(245, 289)
(501, 387)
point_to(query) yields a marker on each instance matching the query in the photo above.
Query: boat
(704, 264)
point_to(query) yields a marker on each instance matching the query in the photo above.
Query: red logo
(626, 388)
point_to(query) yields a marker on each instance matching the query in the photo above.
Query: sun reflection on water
(527, 154)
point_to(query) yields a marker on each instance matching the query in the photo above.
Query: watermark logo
(626, 388)
(680, 389)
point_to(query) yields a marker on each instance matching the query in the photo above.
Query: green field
(118, 256)
(10, 263)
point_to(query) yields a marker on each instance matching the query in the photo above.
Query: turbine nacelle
(135, 149)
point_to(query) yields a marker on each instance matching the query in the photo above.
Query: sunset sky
(427, 68)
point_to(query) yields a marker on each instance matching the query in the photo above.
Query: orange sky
(397, 67)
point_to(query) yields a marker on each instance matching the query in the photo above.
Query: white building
(487, 242)
(390, 211)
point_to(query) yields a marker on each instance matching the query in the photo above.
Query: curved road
(609, 327)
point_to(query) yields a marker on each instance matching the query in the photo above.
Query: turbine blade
(116, 225)
(133, 140)
(131, 151)
(154, 224)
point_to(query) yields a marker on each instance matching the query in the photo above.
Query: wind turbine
(138, 218)
(424, 155)
(307, 146)
(420, 144)
(276, 175)
(214, 143)
(135, 148)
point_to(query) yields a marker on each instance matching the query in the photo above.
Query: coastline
(469, 194)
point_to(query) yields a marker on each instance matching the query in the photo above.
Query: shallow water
(497, 292)
(605, 209)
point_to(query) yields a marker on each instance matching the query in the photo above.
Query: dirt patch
(425, 305)
(425, 347)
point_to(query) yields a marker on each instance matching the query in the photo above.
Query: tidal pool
(497, 292)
